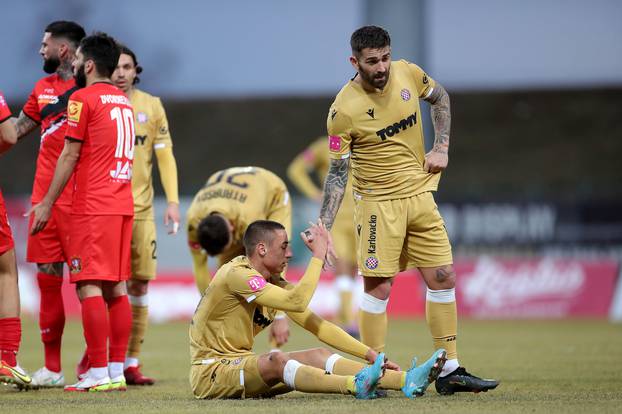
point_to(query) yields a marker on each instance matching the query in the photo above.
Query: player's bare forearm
(441, 118)
(23, 125)
(334, 189)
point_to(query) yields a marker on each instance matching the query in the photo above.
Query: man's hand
(279, 331)
(436, 160)
(172, 215)
(371, 358)
(317, 238)
(42, 212)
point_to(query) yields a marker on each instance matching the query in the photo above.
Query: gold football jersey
(242, 195)
(151, 134)
(227, 319)
(381, 132)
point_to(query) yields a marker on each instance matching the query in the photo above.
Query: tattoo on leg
(54, 269)
(334, 189)
(443, 274)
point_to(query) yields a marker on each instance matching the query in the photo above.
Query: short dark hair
(373, 37)
(259, 231)
(103, 51)
(213, 234)
(72, 31)
(127, 51)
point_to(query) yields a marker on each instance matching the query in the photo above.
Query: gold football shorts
(343, 235)
(144, 246)
(235, 377)
(397, 235)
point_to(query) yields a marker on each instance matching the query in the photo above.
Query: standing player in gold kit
(375, 121)
(152, 138)
(315, 160)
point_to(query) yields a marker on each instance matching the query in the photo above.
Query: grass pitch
(544, 366)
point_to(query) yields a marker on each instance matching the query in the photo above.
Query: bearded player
(47, 106)
(374, 128)
(152, 138)
(99, 146)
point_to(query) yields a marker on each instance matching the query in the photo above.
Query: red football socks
(96, 330)
(120, 316)
(10, 337)
(51, 318)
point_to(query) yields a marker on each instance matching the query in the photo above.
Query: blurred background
(532, 197)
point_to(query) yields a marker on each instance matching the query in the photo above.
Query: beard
(51, 64)
(80, 77)
(376, 80)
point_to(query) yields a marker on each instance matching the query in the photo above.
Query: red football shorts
(6, 237)
(100, 248)
(50, 244)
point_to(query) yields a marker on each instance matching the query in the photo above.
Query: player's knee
(323, 353)
(137, 287)
(380, 288)
(278, 360)
(445, 277)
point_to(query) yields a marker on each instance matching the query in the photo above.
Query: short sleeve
(77, 117)
(425, 84)
(31, 107)
(5, 111)
(339, 128)
(247, 283)
(163, 136)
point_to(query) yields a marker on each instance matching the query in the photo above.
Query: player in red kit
(10, 322)
(99, 147)
(47, 106)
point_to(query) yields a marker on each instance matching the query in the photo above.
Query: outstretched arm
(436, 160)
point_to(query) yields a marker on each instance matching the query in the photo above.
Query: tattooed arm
(334, 189)
(23, 125)
(436, 160)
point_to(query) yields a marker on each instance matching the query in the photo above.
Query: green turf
(569, 366)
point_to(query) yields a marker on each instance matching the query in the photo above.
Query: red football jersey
(5, 111)
(101, 116)
(47, 105)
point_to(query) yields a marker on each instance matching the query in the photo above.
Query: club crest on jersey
(141, 117)
(371, 263)
(74, 109)
(405, 93)
(75, 265)
(334, 143)
(256, 283)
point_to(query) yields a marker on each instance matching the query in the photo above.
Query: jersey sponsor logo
(140, 139)
(74, 109)
(44, 99)
(395, 128)
(371, 263)
(260, 319)
(371, 249)
(141, 117)
(75, 265)
(334, 143)
(256, 283)
(405, 94)
(370, 112)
